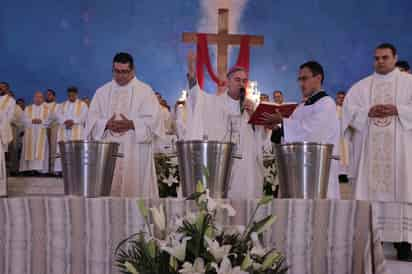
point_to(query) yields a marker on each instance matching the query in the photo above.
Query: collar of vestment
(127, 86)
(315, 97)
(387, 76)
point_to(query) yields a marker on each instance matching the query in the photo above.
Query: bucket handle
(118, 155)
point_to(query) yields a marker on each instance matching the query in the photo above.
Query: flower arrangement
(198, 244)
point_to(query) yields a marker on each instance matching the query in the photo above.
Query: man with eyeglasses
(225, 118)
(314, 120)
(126, 111)
(377, 119)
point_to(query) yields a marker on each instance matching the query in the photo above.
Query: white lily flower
(170, 180)
(159, 218)
(257, 246)
(130, 268)
(217, 251)
(226, 268)
(178, 249)
(213, 205)
(197, 268)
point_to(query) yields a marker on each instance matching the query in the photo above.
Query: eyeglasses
(123, 71)
(304, 78)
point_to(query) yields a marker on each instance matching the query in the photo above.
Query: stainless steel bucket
(88, 167)
(209, 162)
(303, 169)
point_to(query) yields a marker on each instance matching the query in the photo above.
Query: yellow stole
(38, 153)
(76, 129)
(5, 102)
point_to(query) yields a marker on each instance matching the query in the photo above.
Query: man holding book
(315, 120)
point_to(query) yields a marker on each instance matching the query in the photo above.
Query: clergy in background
(53, 127)
(377, 118)
(71, 117)
(126, 111)
(315, 120)
(7, 106)
(35, 153)
(216, 118)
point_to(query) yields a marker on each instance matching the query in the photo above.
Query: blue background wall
(49, 43)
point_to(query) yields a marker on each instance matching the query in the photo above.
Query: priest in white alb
(53, 127)
(219, 117)
(125, 110)
(7, 106)
(314, 120)
(71, 117)
(35, 152)
(377, 118)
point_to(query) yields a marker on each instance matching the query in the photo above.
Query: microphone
(242, 95)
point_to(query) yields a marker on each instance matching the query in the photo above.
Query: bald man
(36, 119)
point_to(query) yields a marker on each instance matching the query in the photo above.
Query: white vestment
(180, 120)
(135, 173)
(52, 134)
(76, 111)
(343, 145)
(35, 153)
(211, 117)
(317, 122)
(382, 147)
(7, 106)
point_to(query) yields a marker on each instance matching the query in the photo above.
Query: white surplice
(317, 122)
(7, 107)
(76, 111)
(35, 152)
(343, 145)
(52, 134)
(381, 153)
(211, 116)
(135, 173)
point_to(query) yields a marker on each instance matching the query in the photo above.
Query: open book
(267, 107)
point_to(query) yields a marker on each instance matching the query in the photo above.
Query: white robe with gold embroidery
(381, 149)
(7, 106)
(35, 153)
(52, 134)
(135, 174)
(76, 111)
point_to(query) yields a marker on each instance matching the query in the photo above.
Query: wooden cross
(223, 40)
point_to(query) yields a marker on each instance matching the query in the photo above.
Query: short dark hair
(51, 91)
(277, 91)
(315, 68)
(403, 65)
(236, 69)
(72, 89)
(341, 92)
(20, 100)
(6, 84)
(124, 58)
(388, 46)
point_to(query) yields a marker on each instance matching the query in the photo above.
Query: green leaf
(265, 200)
(143, 209)
(194, 196)
(199, 187)
(173, 263)
(129, 267)
(271, 259)
(246, 263)
(151, 248)
(263, 224)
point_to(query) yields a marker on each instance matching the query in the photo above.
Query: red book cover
(267, 107)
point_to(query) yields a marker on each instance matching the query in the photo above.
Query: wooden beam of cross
(223, 40)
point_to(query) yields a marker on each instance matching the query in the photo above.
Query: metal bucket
(303, 169)
(88, 167)
(209, 162)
